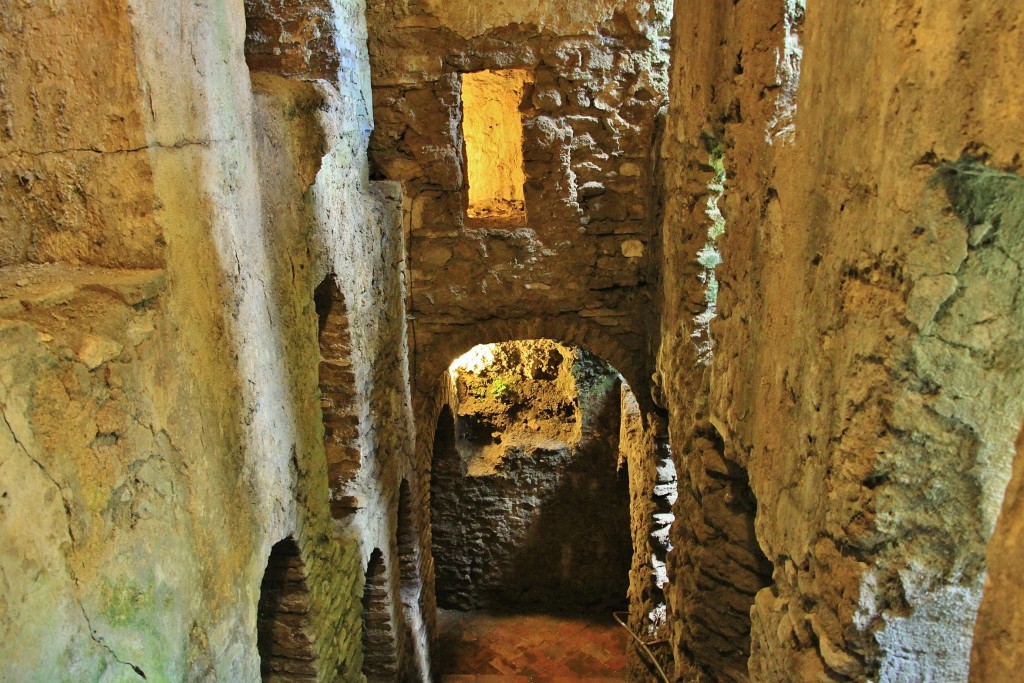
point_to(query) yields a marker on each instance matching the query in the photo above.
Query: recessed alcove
(337, 395)
(493, 131)
(380, 648)
(284, 631)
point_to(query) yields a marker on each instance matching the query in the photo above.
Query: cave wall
(167, 216)
(652, 493)
(996, 654)
(839, 338)
(864, 362)
(76, 177)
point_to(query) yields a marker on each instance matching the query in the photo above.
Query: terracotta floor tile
(481, 647)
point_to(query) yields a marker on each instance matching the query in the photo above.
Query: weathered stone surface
(865, 369)
(76, 177)
(996, 653)
(825, 229)
(161, 428)
(590, 68)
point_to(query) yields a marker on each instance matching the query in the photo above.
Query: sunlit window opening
(493, 131)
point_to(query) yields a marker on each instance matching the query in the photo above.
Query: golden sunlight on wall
(493, 130)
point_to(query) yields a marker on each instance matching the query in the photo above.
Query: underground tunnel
(741, 289)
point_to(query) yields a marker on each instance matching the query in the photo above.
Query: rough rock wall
(529, 504)
(866, 364)
(315, 201)
(996, 655)
(652, 493)
(725, 69)
(166, 423)
(76, 178)
(578, 270)
(88, 474)
(294, 39)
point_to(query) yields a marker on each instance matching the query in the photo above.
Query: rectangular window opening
(493, 131)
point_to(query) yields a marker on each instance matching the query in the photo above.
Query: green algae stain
(123, 601)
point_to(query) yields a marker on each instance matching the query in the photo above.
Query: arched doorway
(530, 502)
(530, 492)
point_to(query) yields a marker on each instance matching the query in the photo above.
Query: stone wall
(296, 39)
(849, 179)
(652, 493)
(595, 85)
(162, 427)
(840, 325)
(76, 172)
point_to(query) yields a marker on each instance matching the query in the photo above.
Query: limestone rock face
(166, 217)
(88, 473)
(866, 358)
(800, 242)
(996, 652)
(76, 182)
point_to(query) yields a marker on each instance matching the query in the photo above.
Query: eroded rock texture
(167, 216)
(996, 654)
(218, 334)
(866, 366)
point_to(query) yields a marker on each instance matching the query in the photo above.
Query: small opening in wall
(283, 628)
(493, 131)
(337, 395)
(380, 649)
(408, 545)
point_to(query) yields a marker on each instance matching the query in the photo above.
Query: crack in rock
(67, 512)
(96, 150)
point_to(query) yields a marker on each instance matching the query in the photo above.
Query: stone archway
(529, 496)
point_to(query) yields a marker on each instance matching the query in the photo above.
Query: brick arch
(510, 563)
(284, 631)
(407, 536)
(297, 39)
(380, 647)
(625, 351)
(337, 394)
(434, 393)
(442, 457)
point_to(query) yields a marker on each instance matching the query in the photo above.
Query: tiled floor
(481, 647)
